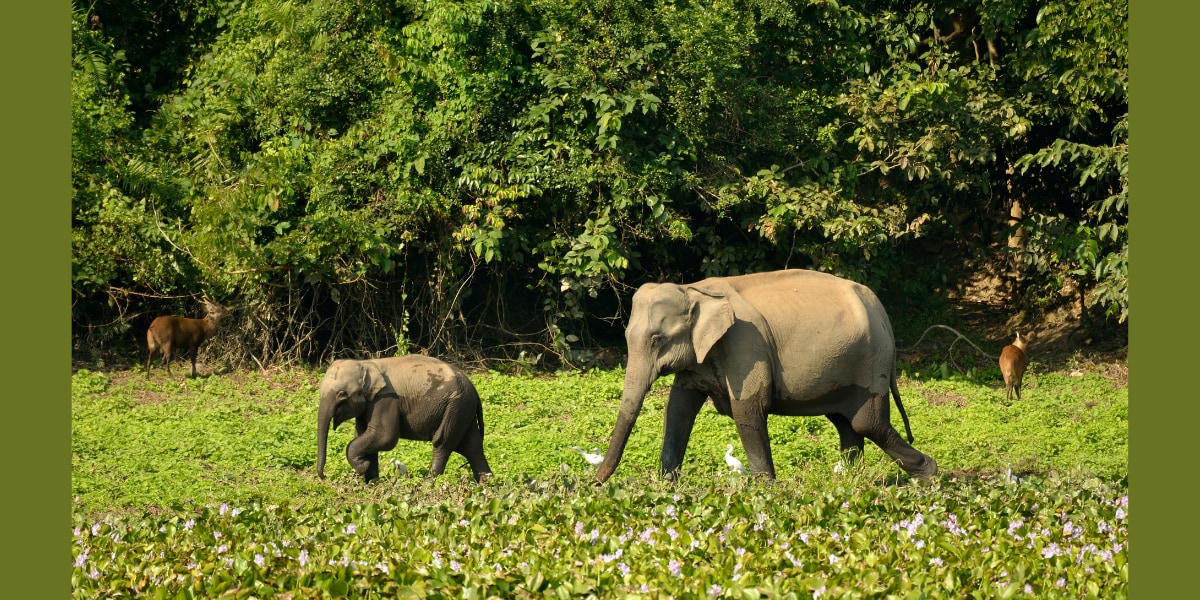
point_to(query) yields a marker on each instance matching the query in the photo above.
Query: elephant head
(346, 392)
(671, 328)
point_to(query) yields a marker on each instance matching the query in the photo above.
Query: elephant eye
(655, 340)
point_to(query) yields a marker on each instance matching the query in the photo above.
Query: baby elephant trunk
(324, 418)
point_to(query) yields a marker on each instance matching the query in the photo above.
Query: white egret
(590, 457)
(734, 464)
(401, 470)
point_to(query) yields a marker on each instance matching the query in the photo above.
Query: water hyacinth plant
(979, 537)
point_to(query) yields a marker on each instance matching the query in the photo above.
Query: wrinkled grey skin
(411, 397)
(789, 342)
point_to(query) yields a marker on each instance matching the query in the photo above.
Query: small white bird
(734, 464)
(401, 470)
(590, 457)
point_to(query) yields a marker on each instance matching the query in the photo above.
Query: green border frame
(36, 341)
(1163, 228)
(1162, 119)
(36, 165)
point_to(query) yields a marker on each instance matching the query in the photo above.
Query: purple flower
(794, 561)
(803, 537)
(350, 529)
(671, 532)
(817, 593)
(96, 529)
(94, 574)
(1062, 582)
(670, 511)
(222, 548)
(578, 528)
(464, 522)
(1013, 526)
(189, 524)
(1120, 514)
(740, 551)
(1028, 589)
(935, 561)
(217, 535)
(833, 558)
(224, 509)
(303, 558)
(673, 566)
(623, 568)
(454, 566)
(258, 559)
(714, 590)
(236, 512)
(920, 544)
(82, 558)
(1051, 551)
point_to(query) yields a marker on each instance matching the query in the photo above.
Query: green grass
(151, 455)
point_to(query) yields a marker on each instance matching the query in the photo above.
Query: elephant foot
(924, 470)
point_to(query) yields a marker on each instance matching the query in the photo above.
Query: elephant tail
(900, 405)
(479, 418)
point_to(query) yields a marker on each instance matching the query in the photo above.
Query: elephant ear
(712, 316)
(373, 381)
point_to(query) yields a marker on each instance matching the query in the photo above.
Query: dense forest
(495, 178)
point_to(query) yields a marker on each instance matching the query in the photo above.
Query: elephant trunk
(324, 417)
(637, 383)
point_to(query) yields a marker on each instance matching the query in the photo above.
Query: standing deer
(167, 334)
(1012, 366)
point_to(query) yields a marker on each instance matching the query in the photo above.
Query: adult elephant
(411, 397)
(791, 342)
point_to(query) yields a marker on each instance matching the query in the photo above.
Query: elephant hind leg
(873, 421)
(850, 441)
(471, 448)
(457, 419)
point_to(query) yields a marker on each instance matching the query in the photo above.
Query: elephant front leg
(363, 451)
(682, 406)
(755, 441)
(363, 459)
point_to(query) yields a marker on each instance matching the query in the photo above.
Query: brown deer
(168, 334)
(1012, 366)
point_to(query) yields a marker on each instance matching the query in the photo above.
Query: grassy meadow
(206, 488)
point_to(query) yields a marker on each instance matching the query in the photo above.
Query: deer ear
(712, 315)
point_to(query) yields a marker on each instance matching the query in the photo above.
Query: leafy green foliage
(510, 169)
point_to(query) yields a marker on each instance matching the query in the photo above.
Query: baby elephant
(411, 397)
